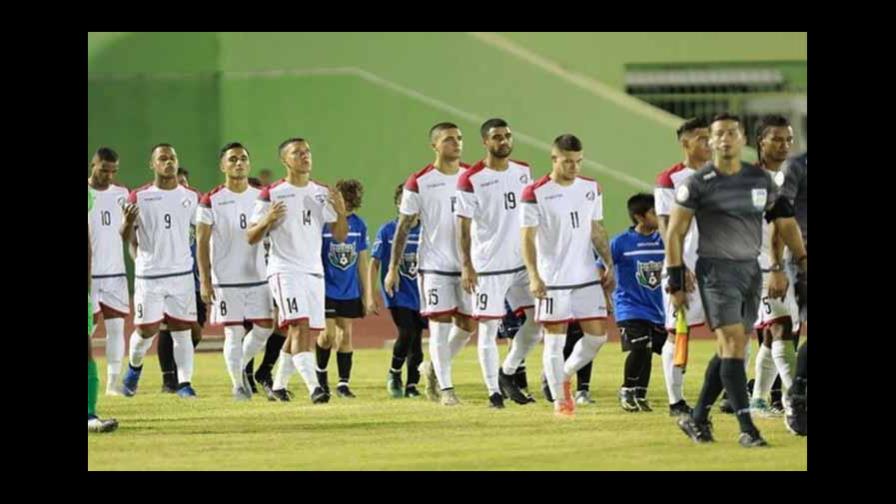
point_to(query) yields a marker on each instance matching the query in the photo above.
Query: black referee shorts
(730, 290)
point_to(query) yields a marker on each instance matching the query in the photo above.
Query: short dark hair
(639, 204)
(231, 145)
(762, 127)
(288, 141)
(156, 146)
(399, 190)
(725, 116)
(183, 171)
(492, 123)
(106, 154)
(442, 126)
(568, 142)
(352, 192)
(690, 125)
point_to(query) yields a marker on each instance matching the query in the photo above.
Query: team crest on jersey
(320, 198)
(120, 201)
(590, 196)
(407, 267)
(650, 274)
(185, 203)
(760, 196)
(524, 179)
(342, 255)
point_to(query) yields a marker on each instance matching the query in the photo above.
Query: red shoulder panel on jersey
(463, 182)
(411, 183)
(206, 200)
(132, 197)
(664, 179)
(265, 194)
(529, 190)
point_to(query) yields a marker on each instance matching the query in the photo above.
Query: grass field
(374, 432)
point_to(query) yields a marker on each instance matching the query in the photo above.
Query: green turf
(375, 432)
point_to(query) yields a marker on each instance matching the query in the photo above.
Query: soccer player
(693, 136)
(109, 281)
(404, 306)
(431, 196)
(492, 270)
(562, 225)
(348, 293)
(94, 423)
(165, 347)
(638, 255)
(729, 199)
(163, 283)
(232, 272)
(777, 317)
(294, 212)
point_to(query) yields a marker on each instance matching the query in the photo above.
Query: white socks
(233, 352)
(254, 342)
(673, 375)
(552, 360)
(304, 362)
(523, 343)
(584, 352)
(457, 339)
(139, 347)
(785, 369)
(765, 372)
(183, 354)
(114, 350)
(284, 371)
(440, 352)
(488, 354)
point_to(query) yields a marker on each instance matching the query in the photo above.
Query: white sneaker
(449, 398)
(428, 372)
(97, 424)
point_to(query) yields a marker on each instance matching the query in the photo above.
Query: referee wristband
(676, 278)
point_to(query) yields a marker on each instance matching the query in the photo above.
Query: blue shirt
(638, 261)
(408, 294)
(341, 259)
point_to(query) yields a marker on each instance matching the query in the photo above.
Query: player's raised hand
(536, 286)
(390, 282)
(276, 212)
(337, 201)
(131, 211)
(469, 279)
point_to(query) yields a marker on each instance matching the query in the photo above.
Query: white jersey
(562, 216)
(296, 238)
(234, 261)
(493, 200)
(433, 195)
(765, 250)
(667, 183)
(105, 221)
(163, 229)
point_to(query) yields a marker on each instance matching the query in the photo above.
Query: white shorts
(110, 293)
(442, 295)
(166, 298)
(493, 290)
(572, 305)
(299, 296)
(695, 314)
(233, 305)
(775, 310)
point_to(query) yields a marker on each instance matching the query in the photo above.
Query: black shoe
(520, 378)
(322, 380)
(750, 385)
(726, 407)
(342, 390)
(699, 432)
(679, 409)
(509, 389)
(411, 391)
(627, 400)
(320, 396)
(393, 385)
(269, 390)
(496, 401)
(546, 389)
(643, 404)
(169, 389)
(797, 419)
(751, 439)
(282, 395)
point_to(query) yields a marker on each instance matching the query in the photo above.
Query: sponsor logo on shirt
(553, 196)
(431, 186)
(228, 202)
(490, 182)
(590, 196)
(524, 179)
(709, 176)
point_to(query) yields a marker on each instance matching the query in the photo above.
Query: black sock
(801, 380)
(402, 346)
(775, 392)
(166, 359)
(271, 353)
(344, 363)
(583, 377)
(250, 367)
(323, 357)
(734, 379)
(519, 377)
(647, 362)
(712, 387)
(573, 334)
(632, 370)
(415, 356)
